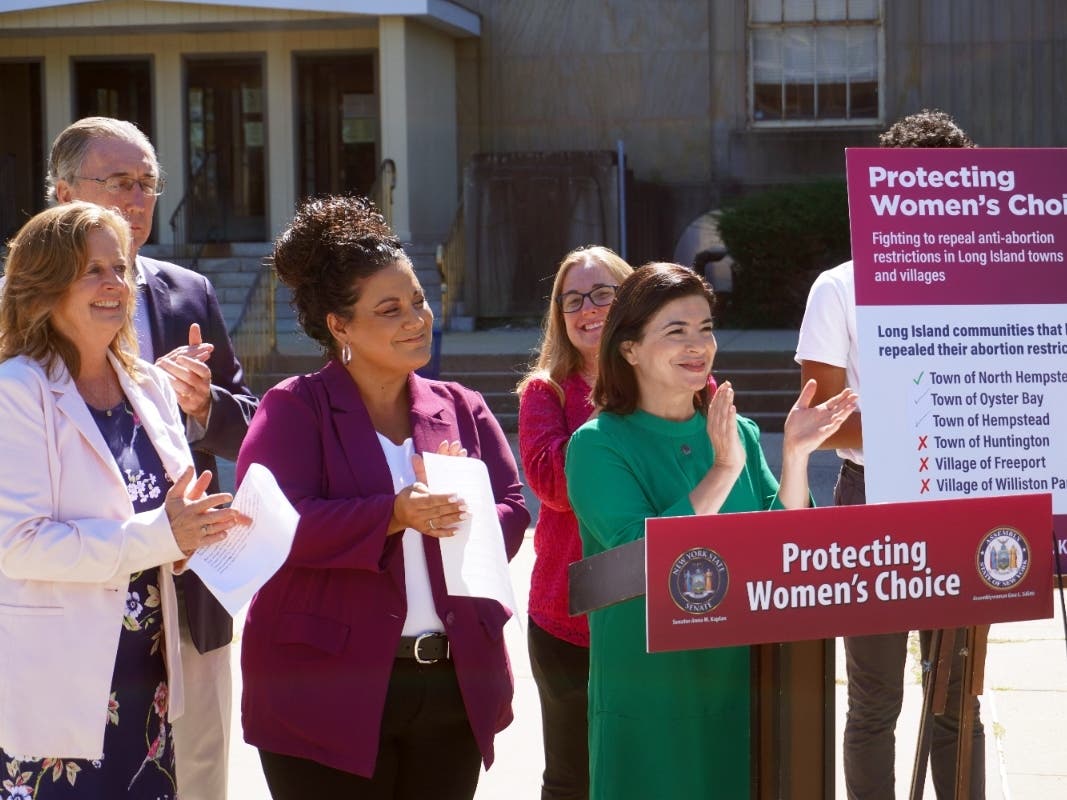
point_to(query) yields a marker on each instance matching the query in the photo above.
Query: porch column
(393, 80)
(281, 145)
(57, 102)
(169, 136)
(418, 108)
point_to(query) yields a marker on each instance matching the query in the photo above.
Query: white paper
(475, 560)
(235, 568)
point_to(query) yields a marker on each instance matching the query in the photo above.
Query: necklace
(103, 395)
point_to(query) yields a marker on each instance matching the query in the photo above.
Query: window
(814, 61)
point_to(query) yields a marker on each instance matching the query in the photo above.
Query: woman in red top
(553, 403)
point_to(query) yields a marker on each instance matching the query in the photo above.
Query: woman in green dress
(672, 725)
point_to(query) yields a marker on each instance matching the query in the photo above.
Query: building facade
(254, 104)
(251, 106)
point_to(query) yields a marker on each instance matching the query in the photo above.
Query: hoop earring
(346, 354)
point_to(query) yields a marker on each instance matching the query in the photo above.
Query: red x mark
(926, 486)
(922, 443)
(924, 464)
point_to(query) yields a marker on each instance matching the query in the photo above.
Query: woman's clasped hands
(196, 519)
(416, 507)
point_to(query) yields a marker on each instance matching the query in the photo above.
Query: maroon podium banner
(777, 576)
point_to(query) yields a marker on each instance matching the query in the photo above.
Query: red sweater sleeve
(543, 437)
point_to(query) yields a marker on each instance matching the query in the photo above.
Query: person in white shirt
(827, 351)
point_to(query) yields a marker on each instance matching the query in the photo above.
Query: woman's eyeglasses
(572, 302)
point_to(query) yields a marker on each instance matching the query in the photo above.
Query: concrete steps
(766, 383)
(279, 367)
(495, 376)
(233, 277)
(232, 269)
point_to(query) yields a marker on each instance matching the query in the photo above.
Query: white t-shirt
(422, 614)
(828, 332)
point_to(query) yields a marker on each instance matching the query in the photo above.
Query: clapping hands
(809, 426)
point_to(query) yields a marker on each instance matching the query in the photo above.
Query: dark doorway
(226, 140)
(338, 123)
(22, 167)
(119, 89)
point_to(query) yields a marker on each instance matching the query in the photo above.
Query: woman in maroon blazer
(362, 676)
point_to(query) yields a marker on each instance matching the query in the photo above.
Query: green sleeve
(607, 494)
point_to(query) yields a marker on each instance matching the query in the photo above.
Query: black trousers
(875, 666)
(427, 748)
(561, 671)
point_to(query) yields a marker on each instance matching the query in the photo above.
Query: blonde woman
(553, 403)
(89, 528)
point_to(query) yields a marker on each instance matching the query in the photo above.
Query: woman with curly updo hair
(363, 677)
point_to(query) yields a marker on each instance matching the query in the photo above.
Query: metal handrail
(255, 334)
(381, 191)
(193, 191)
(452, 265)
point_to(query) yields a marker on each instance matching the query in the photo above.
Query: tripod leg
(973, 679)
(935, 694)
(944, 652)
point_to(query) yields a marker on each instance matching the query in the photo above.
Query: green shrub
(780, 239)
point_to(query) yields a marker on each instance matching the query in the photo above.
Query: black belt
(852, 466)
(426, 648)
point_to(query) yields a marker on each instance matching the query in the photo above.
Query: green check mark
(919, 380)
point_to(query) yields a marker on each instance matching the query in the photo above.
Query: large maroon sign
(775, 576)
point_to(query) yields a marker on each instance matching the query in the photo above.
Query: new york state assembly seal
(1003, 558)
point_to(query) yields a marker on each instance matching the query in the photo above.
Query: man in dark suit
(179, 326)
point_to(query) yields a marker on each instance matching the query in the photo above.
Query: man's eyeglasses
(572, 302)
(123, 183)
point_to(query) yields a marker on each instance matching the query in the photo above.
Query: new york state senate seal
(699, 580)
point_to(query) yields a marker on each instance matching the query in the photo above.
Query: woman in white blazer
(90, 532)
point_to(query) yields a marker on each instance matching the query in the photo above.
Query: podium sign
(778, 576)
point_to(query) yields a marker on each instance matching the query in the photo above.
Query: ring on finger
(432, 526)
(203, 529)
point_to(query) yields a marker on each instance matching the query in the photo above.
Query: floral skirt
(138, 757)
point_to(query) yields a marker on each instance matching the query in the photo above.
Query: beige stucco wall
(565, 75)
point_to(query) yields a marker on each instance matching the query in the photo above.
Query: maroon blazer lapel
(355, 432)
(433, 420)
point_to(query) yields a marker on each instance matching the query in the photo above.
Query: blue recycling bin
(432, 369)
